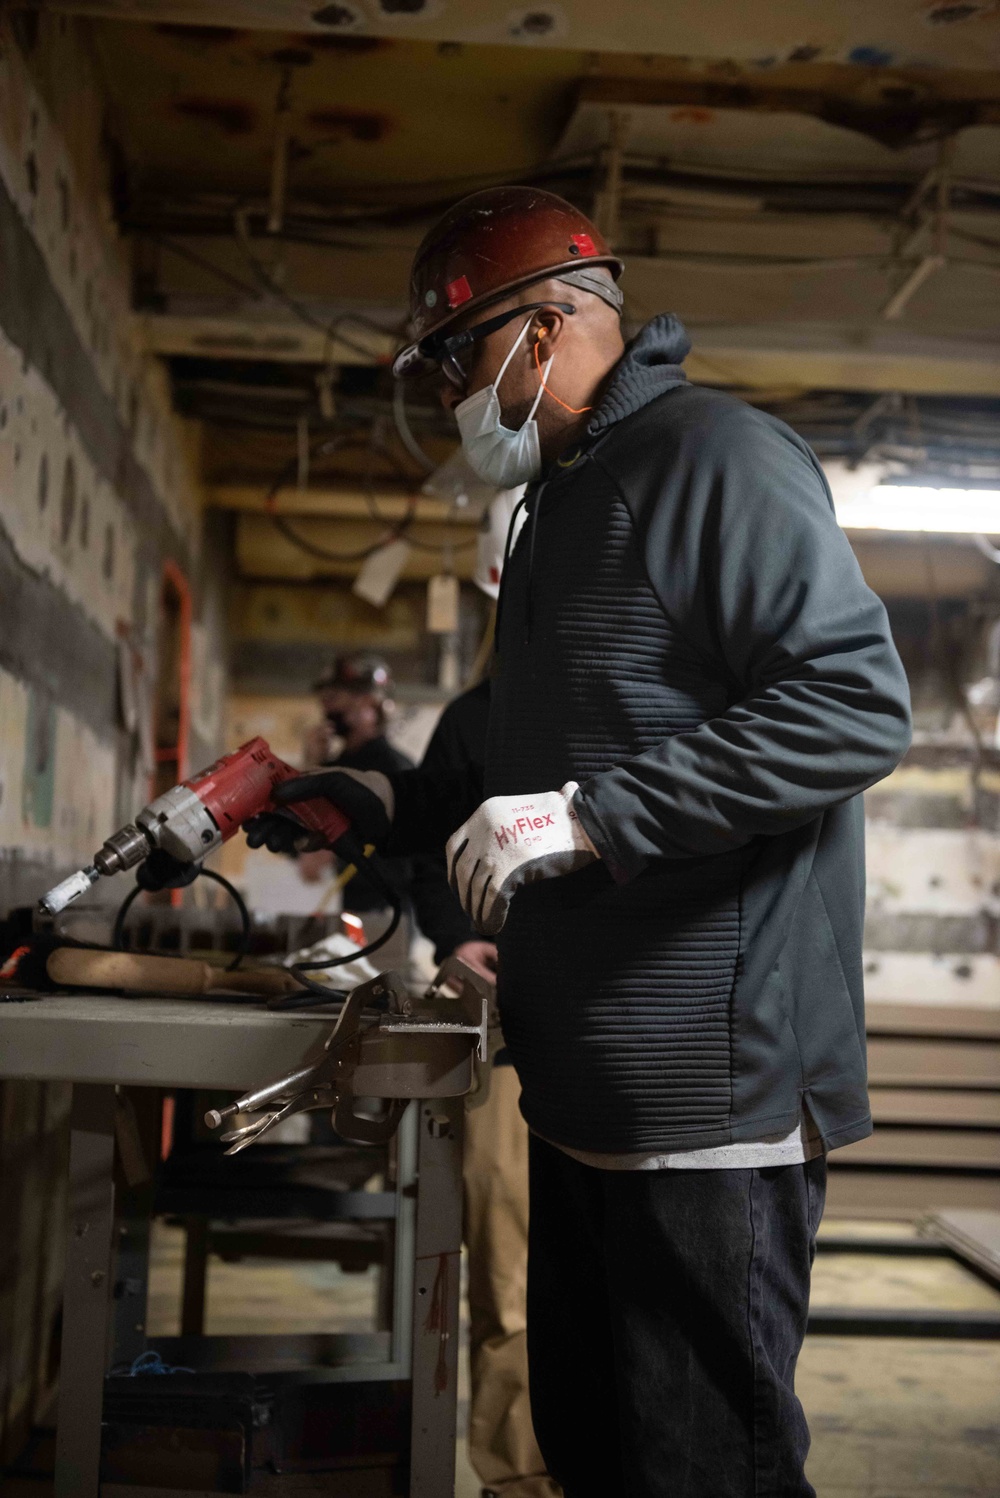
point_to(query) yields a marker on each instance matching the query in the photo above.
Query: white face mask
(498, 455)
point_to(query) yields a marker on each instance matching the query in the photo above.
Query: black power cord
(314, 994)
(118, 930)
(350, 848)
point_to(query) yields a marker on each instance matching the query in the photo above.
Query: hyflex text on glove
(510, 841)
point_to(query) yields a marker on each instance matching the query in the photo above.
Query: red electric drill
(201, 814)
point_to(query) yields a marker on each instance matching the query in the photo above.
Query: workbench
(102, 1043)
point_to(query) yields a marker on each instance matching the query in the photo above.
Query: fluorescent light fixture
(892, 507)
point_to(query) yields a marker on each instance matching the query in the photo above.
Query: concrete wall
(933, 839)
(98, 478)
(98, 489)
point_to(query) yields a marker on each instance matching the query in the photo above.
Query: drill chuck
(123, 850)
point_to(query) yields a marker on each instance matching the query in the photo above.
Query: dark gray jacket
(458, 743)
(685, 631)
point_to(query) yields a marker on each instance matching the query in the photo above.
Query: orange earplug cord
(574, 410)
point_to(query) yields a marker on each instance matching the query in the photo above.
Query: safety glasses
(455, 353)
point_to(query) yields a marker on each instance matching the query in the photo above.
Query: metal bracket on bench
(386, 1048)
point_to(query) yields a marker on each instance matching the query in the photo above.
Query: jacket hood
(650, 365)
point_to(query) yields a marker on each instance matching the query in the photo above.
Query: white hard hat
(493, 538)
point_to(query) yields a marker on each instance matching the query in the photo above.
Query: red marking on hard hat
(583, 243)
(494, 574)
(458, 291)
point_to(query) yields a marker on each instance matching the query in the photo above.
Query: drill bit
(69, 890)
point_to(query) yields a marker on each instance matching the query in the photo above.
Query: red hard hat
(489, 245)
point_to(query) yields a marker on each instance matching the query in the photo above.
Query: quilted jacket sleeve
(744, 550)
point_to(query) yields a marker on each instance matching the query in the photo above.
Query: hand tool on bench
(177, 831)
(402, 1048)
(138, 972)
(199, 815)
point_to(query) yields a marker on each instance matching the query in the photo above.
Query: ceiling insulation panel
(822, 356)
(772, 147)
(195, 111)
(763, 217)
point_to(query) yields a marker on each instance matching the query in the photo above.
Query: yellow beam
(262, 551)
(247, 456)
(336, 504)
(283, 613)
(249, 336)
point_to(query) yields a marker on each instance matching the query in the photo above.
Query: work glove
(510, 841)
(364, 796)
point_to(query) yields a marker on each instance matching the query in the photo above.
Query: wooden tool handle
(136, 972)
(268, 981)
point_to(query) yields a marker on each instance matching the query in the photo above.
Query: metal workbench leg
(86, 1291)
(131, 1277)
(435, 1300)
(195, 1282)
(139, 1111)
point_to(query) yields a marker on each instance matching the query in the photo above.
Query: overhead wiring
(402, 203)
(323, 553)
(282, 524)
(395, 530)
(443, 547)
(185, 252)
(405, 431)
(331, 329)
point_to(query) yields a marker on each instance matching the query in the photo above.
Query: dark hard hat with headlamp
(357, 673)
(489, 246)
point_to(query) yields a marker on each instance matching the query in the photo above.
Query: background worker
(693, 684)
(458, 743)
(355, 696)
(502, 1445)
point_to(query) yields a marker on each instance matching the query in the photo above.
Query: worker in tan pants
(502, 1444)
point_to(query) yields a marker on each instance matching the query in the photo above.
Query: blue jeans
(666, 1310)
